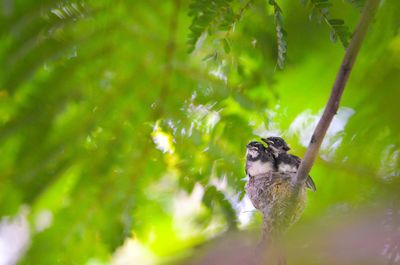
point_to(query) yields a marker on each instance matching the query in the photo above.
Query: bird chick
(260, 164)
(259, 161)
(285, 163)
(270, 191)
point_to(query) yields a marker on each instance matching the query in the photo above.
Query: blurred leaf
(111, 133)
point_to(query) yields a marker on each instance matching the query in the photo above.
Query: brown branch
(332, 105)
(337, 90)
(331, 108)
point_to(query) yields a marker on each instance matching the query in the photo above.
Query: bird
(260, 164)
(259, 160)
(270, 191)
(286, 163)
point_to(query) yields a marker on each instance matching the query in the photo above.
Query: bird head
(255, 150)
(277, 144)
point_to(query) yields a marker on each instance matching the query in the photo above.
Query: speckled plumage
(270, 192)
(285, 163)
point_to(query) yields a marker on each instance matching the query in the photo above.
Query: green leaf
(336, 21)
(338, 28)
(208, 57)
(281, 34)
(358, 4)
(227, 47)
(207, 16)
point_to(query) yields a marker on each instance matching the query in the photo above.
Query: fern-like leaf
(281, 34)
(209, 16)
(338, 28)
(358, 4)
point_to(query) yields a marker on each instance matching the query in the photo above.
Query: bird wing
(309, 182)
(296, 159)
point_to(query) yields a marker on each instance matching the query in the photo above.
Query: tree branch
(337, 90)
(330, 111)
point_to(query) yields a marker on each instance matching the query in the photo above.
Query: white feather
(286, 168)
(252, 152)
(258, 167)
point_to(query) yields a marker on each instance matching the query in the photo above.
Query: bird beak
(268, 141)
(286, 148)
(251, 147)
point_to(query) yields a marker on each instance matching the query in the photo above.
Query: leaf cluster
(119, 140)
(210, 17)
(320, 11)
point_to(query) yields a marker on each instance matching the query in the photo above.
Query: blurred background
(118, 146)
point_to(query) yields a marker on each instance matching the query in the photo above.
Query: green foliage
(213, 197)
(359, 4)
(209, 16)
(338, 29)
(280, 34)
(113, 133)
(219, 18)
(216, 19)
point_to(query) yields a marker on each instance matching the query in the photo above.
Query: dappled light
(124, 125)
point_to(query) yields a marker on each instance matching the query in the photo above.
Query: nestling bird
(270, 191)
(285, 163)
(259, 167)
(259, 160)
